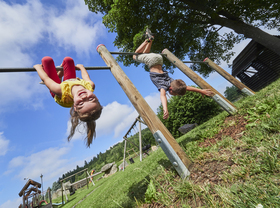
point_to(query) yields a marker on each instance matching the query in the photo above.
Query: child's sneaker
(149, 34)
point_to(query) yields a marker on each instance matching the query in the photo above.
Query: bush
(188, 109)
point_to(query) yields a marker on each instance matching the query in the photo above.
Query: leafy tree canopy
(189, 27)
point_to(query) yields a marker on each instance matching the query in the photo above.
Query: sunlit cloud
(4, 144)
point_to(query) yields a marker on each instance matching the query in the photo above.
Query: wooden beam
(139, 103)
(130, 128)
(220, 99)
(29, 182)
(227, 76)
(124, 154)
(73, 175)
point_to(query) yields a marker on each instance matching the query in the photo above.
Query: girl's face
(85, 101)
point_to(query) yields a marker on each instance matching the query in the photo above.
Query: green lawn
(236, 164)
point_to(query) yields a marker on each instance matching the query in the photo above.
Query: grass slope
(236, 164)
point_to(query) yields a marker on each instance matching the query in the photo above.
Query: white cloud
(70, 30)
(21, 26)
(118, 118)
(14, 203)
(4, 144)
(25, 25)
(112, 117)
(20, 88)
(34, 165)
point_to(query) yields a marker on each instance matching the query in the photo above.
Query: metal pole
(31, 69)
(200, 62)
(140, 141)
(129, 53)
(42, 184)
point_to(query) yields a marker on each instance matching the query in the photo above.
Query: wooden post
(62, 192)
(50, 195)
(130, 141)
(65, 193)
(220, 99)
(140, 141)
(23, 199)
(124, 154)
(86, 178)
(230, 78)
(139, 103)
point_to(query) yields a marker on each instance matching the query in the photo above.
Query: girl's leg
(49, 68)
(68, 68)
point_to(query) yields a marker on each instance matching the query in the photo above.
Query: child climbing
(161, 79)
(72, 92)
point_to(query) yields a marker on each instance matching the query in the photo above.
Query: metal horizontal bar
(130, 53)
(31, 69)
(195, 62)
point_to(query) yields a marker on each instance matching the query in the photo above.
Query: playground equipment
(172, 149)
(141, 148)
(174, 152)
(31, 189)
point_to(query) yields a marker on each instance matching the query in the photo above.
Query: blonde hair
(88, 119)
(178, 86)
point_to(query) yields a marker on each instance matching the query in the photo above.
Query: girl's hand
(79, 66)
(36, 66)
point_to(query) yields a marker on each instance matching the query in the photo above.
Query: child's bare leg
(148, 46)
(145, 47)
(142, 47)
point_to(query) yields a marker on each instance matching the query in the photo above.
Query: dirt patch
(211, 171)
(234, 127)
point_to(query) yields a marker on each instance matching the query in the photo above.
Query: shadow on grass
(137, 192)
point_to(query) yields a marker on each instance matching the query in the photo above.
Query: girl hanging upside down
(72, 92)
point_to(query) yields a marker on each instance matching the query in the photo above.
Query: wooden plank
(72, 175)
(227, 76)
(29, 182)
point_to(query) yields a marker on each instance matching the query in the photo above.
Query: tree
(55, 186)
(188, 27)
(232, 93)
(188, 109)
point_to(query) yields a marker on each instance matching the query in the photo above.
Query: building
(256, 66)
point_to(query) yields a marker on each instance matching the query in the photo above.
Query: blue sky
(33, 128)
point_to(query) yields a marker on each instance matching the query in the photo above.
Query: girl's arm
(164, 103)
(207, 92)
(52, 85)
(85, 74)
